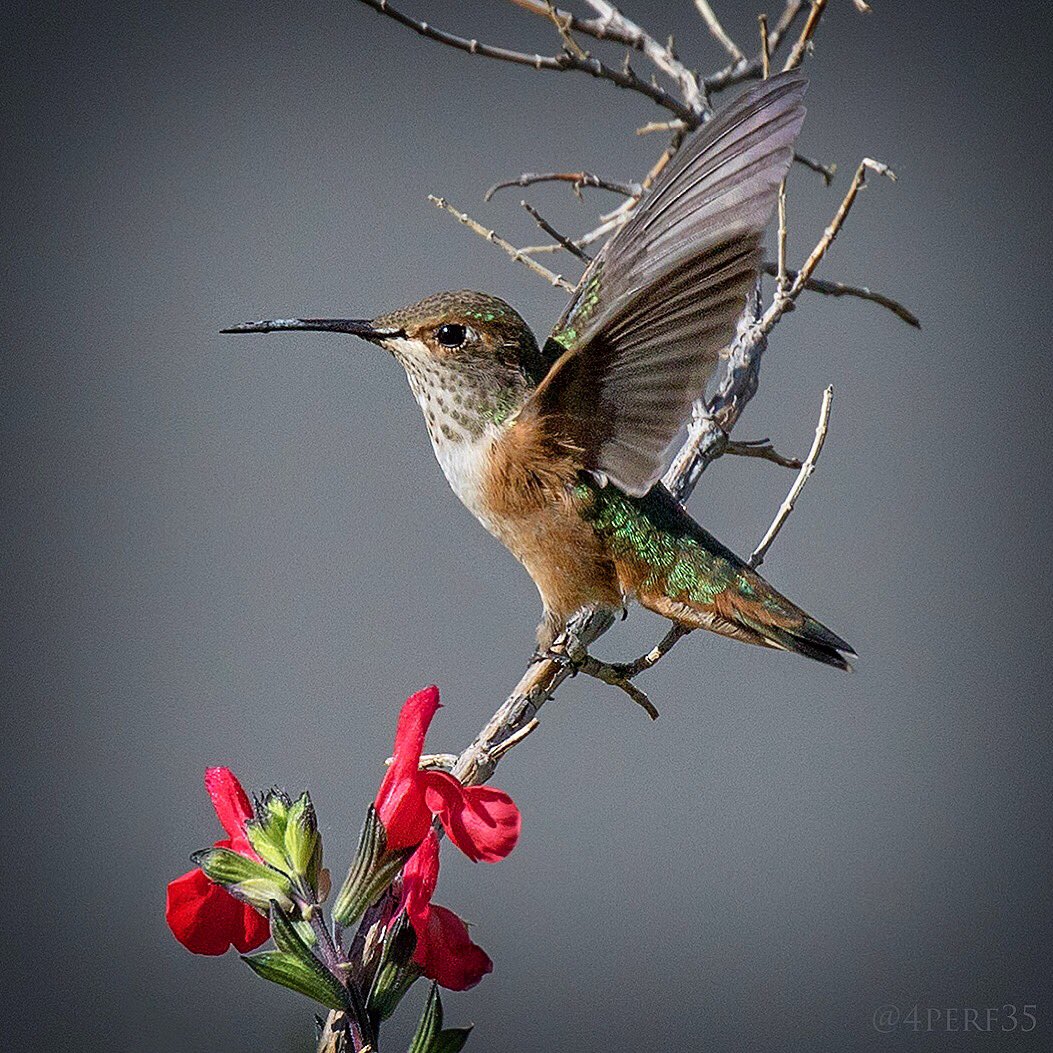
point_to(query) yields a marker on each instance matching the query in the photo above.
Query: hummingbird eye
(451, 335)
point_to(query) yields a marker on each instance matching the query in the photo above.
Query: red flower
(482, 822)
(445, 952)
(203, 916)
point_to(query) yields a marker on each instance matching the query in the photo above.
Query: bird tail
(679, 570)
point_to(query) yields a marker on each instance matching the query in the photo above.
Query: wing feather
(644, 331)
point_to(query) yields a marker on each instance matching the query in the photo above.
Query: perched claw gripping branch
(267, 880)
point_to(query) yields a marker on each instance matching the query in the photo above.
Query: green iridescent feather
(678, 559)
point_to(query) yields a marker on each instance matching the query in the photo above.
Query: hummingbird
(558, 448)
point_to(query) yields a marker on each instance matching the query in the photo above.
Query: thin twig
(561, 239)
(667, 155)
(826, 171)
(780, 269)
(662, 56)
(800, 49)
(799, 483)
(623, 78)
(659, 651)
(505, 246)
(661, 126)
(719, 33)
(764, 450)
(860, 292)
(598, 28)
(764, 52)
(514, 739)
(577, 180)
(564, 23)
(831, 232)
(736, 73)
(610, 674)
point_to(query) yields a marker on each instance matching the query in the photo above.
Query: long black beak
(354, 326)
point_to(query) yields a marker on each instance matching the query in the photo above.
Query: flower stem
(362, 1037)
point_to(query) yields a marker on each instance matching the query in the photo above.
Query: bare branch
(737, 72)
(860, 292)
(831, 232)
(661, 126)
(561, 239)
(804, 40)
(763, 449)
(611, 674)
(495, 239)
(576, 179)
(598, 28)
(656, 654)
(707, 432)
(826, 171)
(780, 268)
(799, 483)
(537, 685)
(691, 90)
(623, 78)
(718, 32)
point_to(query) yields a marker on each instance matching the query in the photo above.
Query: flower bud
(302, 842)
(372, 871)
(252, 882)
(395, 972)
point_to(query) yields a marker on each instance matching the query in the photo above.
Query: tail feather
(682, 572)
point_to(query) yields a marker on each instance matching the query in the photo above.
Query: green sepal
(430, 1036)
(301, 837)
(249, 880)
(286, 938)
(306, 933)
(261, 893)
(371, 873)
(286, 969)
(396, 972)
(268, 842)
(266, 832)
(273, 812)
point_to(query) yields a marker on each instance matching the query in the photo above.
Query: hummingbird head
(470, 359)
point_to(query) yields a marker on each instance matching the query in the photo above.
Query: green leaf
(371, 873)
(287, 970)
(451, 1040)
(294, 964)
(430, 1036)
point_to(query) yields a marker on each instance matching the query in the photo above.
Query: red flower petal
(446, 954)
(419, 878)
(482, 822)
(400, 799)
(206, 919)
(232, 806)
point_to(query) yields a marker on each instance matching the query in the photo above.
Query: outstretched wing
(646, 326)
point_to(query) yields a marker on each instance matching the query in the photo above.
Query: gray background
(242, 551)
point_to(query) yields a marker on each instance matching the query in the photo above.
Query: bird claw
(571, 662)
